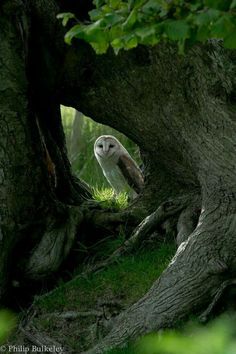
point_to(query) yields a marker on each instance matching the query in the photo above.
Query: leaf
(233, 4)
(204, 21)
(117, 44)
(145, 32)
(203, 33)
(65, 16)
(230, 41)
(151, 7)
(206, 17)
(95, 14)
(148, 35)
(222, 28)
(98, 3)
(95, 32)
(177, 30)
(113, 19)
(130, 41)
(101, 47)
(222, 5)
(114, 4)
(75, 31)
(132, 18)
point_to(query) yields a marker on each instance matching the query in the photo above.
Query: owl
(120, 170)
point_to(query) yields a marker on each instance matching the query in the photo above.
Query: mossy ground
(123, 282)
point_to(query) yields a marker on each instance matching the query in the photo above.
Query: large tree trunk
(76, 141)
(181, 113)
(179, 110)
(38, 191)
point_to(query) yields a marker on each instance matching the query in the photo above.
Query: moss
(128, 279)
(125, 281)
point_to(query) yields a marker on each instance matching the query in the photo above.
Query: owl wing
(131, 172)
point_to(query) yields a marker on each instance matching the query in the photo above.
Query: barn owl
(120, 170)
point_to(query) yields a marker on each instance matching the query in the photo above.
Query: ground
(109, 291)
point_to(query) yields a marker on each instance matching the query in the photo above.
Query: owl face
(106, 146)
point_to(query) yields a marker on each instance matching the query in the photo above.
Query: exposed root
(148, 225)
(107, 219)
(206, 314)
(55, 245)
(74, 315)
(188, 220)
(144, 229)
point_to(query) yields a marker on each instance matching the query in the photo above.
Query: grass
(125, 281)
(128, 279)
(108, 199)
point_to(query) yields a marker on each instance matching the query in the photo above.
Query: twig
(73, 315)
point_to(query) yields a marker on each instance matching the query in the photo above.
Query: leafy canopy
(123, 24)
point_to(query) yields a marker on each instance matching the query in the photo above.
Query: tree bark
(38, 214)
(76, 140)
(183, 121)
(180, 110)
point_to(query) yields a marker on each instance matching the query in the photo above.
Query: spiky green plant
(109, 200)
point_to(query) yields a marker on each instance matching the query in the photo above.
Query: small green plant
(215, 338)
(218, 337)
(108, 199)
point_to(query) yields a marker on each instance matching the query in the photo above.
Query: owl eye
(111, 145)
(100, 146)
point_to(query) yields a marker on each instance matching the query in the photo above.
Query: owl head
(106, 146)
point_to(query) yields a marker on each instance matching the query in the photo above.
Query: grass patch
(128, 279)
(125, 281)
(109, 200)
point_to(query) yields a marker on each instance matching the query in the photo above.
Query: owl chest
(116, 179)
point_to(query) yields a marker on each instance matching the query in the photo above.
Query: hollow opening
(81, 133)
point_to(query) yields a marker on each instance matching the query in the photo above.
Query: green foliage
(128, 279)
(216, 338)
(7, 324)
(123, 24)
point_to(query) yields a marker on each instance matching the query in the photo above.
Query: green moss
(128, 279)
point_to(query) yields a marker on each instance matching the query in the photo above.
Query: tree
(75, 141)
(179, 110)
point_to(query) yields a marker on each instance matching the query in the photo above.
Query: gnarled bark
(179, 110)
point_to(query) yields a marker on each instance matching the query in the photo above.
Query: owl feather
(120, 170)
